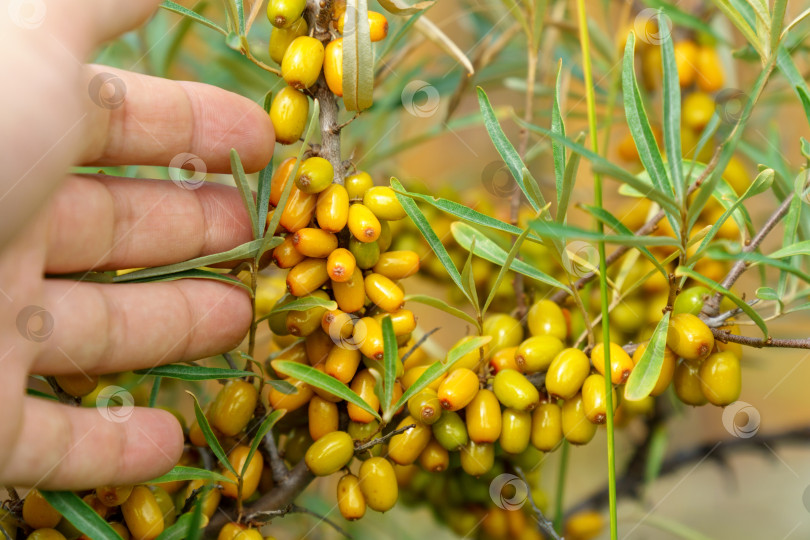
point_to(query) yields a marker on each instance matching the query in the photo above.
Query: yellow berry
(378, 483)
(283, 13)
(721, 378)
(314, 175)
(547, 319)
(686, 382)
(477, 459)
(667, 368)
(350, 295)
(280, 39)
(689, 337)
(397, 264)
(363, 385)
(233, 407)
(142, 514)
(316, 243)
(516, 430)
(537, 352)
(38, 513)
(288, 112)
(250, 480)
(404, 448)
(377, 25)
(483, 415)
(547, 426)
(575, 425)
(333, 66)
(686, 53)
(383, 292)
(425, 406)
(363, 224)
(458, 389)
(357, 184)
(351, 502)
(302, 62)
(506, 331)
(621, 365)
(567, 372)
(450, 431)
(594, 398)
(332, 208)
(113, 495)
(307, 276)
(383, 203)
(710, 76)
(515, 391)
(330, 453)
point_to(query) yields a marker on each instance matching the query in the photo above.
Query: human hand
(57, 114)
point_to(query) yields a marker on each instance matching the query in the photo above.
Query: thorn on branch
(418, 344)
(379, 440)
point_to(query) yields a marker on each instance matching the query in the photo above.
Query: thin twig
(724, 336)
(543, 522)
(418, 344)
(277, 466)
(721, 319)
(628, 485)
(267, 515)
(379, 440)
(712, 306)
(63, 396)
(229, 359)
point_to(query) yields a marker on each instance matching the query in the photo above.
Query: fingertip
(155, 444)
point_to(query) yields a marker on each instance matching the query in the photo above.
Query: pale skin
(54, 222)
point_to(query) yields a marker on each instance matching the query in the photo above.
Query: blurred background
(425, 129)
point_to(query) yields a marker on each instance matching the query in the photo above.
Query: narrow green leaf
(398, 7)
(180, 473)
(282, 386)
(177, 8)
(644, 376)
(462, 212)
(672, 112)
(189, 274)
(153, 394)
(504, 269)
(80, 515)
(468, 278)
(638, 122)
(761, 183)
(442, 305)
(194, 373)
(429, 235)
(611, 221)
(438, 368)
(427, 28)
(240, 17)
(568, 232)
(605, 167)
(737, 19)
(487, 249)
(687, 20)
(210, 438)
(767, 293)
(180, 529)
(265, 427)
(569, 179)
(37, 393)
(358, 59)
(799, 248)
(390, 359)
(305, 303)
(244, 186)
(271, 241)
(318, 379)
(777, 22)
(243, 251)
(716, 287)
(757, 259)
(788, 68)
(263, 194)
(507, 152)
(195, 524)
(656, 453)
